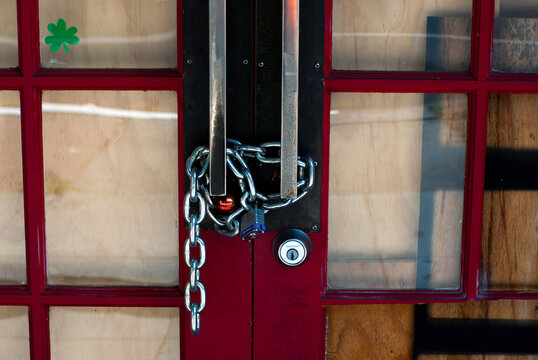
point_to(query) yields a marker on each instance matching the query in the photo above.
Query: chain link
(195, 198)
(198, 196)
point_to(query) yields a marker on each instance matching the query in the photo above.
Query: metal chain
(236, 161)
(194, 197)
(198, 194)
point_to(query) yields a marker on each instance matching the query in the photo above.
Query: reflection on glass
(515, 37)
(397, 167)
(12, 244)
(111, 187)
(401, 35)
(114, 333)
(113, 34)
(9, 55)
(14, 334)
(509, 230)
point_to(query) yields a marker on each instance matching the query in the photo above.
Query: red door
(91, 99)
(429, 113)
(405, 107)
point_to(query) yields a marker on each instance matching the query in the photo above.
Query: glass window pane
(9, 54)
(111, 187)
(112, 34)
(401, 35)
(396, 180)
(14, 337)
(510, 217)
(12, 242)
(515, 37)
(114, 333)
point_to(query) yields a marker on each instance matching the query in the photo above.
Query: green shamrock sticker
(61, 36)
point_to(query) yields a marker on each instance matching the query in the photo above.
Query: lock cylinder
(292, 247)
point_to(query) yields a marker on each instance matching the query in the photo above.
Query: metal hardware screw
(260, 64)
(317, 65)
(189, 61)
(245, 61)
(315, 228)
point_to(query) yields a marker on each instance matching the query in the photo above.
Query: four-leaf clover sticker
(61, 36)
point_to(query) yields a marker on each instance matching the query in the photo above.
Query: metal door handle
(217, 97)
(290, 99)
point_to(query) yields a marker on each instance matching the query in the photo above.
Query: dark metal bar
(289, 99)
(217, 97)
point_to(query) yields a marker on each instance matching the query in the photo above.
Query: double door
(420, 116)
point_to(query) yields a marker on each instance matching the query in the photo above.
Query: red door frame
(287, 307)
(226, 322)
(289, 318)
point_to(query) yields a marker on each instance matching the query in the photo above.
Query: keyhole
(292, 254)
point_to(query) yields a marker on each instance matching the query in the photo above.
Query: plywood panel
(515, 45)
(502, 309)
(446, 48)
(370, 332)
(111, 187)
(390, 34)
(376, 164)
(12, 244)
(9, 55)
(498, 310)
(114, 333)
(478, 357)
(386, 331)
(14, 333)
(510, 220)
(113, 33)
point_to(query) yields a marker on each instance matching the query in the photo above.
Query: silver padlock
(252, 224)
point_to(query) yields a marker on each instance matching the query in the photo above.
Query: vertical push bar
(290, 98)
(217, 97)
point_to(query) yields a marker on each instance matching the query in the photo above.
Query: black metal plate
(305, 214)
(239, 68)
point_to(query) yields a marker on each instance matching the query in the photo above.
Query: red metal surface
(288, 318)
(226, 321)
(483, 38)
(401, 84)
(474, 191)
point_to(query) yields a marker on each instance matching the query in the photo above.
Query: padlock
(252, 224)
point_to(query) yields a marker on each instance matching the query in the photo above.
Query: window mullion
(476, 160)
(482, 37)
